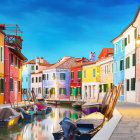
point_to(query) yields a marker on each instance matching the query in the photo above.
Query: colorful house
(36, 76)
(119, 63)
(105, 60)
(27, 68)
(56, 78)
(90, 80)
(76, 80)
(2, 34)
(13, 59)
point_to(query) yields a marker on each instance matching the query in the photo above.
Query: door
(15, 90)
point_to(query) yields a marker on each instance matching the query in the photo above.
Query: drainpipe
(135, 55)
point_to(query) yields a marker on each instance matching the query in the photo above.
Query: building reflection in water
(43, 125)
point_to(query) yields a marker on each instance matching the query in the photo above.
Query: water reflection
(42, 127)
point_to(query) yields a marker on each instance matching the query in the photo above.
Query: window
(11, 84)
(132, 83)
(39, 90)
(62, 76)
(52, 90)
(16, 61)
(44, 77)
(32, 67)
(47, 76)
(116, 48)
(128, 39)
(79, 90)
(18, 86)
(40, 79)
(1, 85)
(127, 62)
(94, 72)
(100, 88)
(84, 73)
(46, 91)
(26, 79)
(72, 75)
(19, 64)
(32, 79)
(62, 90)
(36, 79)
(135, 33)
(121, 65)
(71, 88)
(115, 66)
(125, 41)
(121, 45)
(1, 54)
(127, 85)
(12, 59)
(53, 77)
(36, 67)
(79, 74)
(105, 87)
(133, 59)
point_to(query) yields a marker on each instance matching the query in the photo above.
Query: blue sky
(57, 28)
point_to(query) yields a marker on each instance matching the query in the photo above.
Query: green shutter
(128, 62)
(76, 90)
(135, 33)
(100, 87)
(128, 85)
(134, 59)
(64, 76)
(80, 74)
(77, 74)
(70, 90)
(65, 91)
(1, 54)
(59, 90)
(132, 83)
(120, 65)
(125, 41)
(128, 38)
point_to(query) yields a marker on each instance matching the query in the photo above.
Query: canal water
(42, 127)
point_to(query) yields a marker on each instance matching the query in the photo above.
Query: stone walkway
(129, 125)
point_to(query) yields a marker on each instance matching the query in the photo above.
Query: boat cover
(69, 128)
(6, 113)
(38, 107)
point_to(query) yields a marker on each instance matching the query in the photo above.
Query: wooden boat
(87, 127)
(54, 103)
(77, 105)
(27, 114)
(48, 110)
(8, 117)
(91, 107)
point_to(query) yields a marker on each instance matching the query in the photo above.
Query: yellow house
(2, 67)
(90, 80)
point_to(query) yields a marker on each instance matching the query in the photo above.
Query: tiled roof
(33, 61)
(90, 62)
(36, 72)
(65, 63)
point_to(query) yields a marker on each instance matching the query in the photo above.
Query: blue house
(119, 63)
(27, 68)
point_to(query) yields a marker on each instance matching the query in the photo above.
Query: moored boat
(77, 105)
(8, 117)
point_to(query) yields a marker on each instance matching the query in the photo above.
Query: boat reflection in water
(42, 127)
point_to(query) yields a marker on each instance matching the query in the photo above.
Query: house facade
(2, 83)
(13, 59)
(27, 68)
(119, 64)
(36, 76)
(90, 80)
(56, 78)
(105, 60)
(76, 82)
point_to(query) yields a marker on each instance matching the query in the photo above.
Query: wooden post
(27, 98)
(24, 99)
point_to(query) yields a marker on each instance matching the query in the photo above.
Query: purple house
(56, 78)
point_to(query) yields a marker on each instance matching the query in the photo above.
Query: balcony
(14, 40)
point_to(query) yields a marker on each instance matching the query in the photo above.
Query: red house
(13, 59)
(76, 81)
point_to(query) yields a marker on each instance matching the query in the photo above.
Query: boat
(77, 105)
(48, 110)
(27, 114)
(8, 117)
(54, 103)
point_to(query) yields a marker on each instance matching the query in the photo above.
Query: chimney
(2, 26)
(41, 59)
(37, 59)
(92, 56)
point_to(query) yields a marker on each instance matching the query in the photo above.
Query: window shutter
(64, 76)
(121, 65)
(76, 90)
(128, 38)
(80, 74)
(125, 41)
(1, 54)
(135, 33)
(128, 62)
(65, 91)
(70, 90)
(59, 90)
(134, 59)
(128, 85)
(132, 83)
